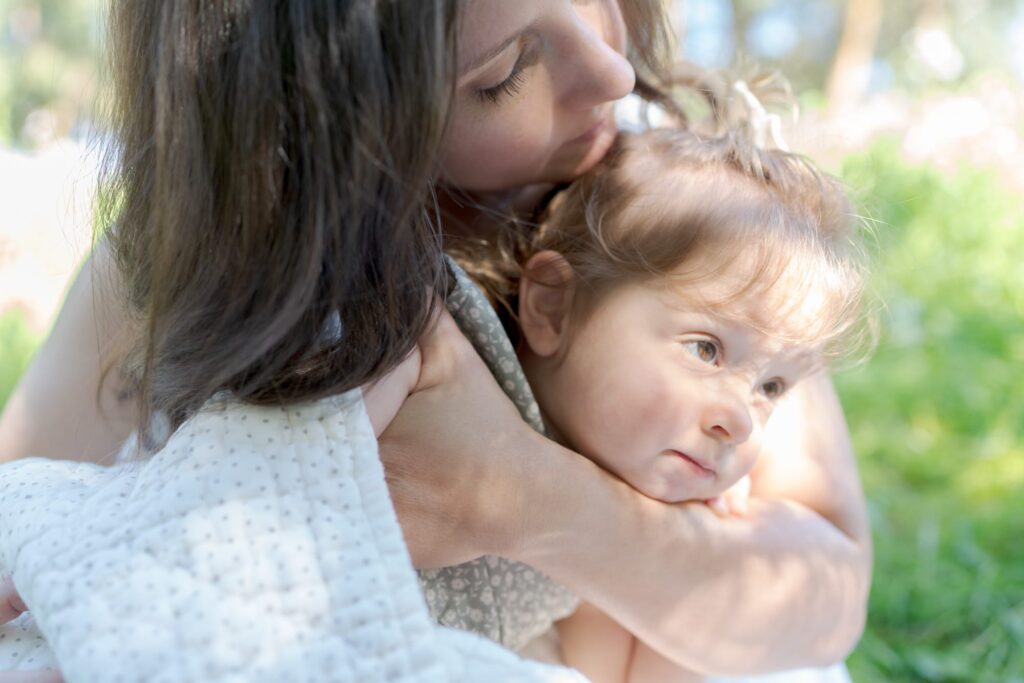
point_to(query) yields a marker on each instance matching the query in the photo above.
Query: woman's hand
(11, 607)
(47, 676)
(451, 456)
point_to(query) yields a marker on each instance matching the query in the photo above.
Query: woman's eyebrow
(488, 55)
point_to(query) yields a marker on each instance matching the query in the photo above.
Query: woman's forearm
(58, 409)
(778, 589)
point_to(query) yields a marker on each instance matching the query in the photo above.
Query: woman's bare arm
(56, 410)
(808, 459)
(780, 588)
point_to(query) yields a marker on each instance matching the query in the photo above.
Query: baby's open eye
(704, 350)
(773, 388)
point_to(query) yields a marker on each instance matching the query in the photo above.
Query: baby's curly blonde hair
(680, 207)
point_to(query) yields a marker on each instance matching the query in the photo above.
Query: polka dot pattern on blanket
(259, 544)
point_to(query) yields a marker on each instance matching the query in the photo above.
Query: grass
(937, 416)
(17, 344)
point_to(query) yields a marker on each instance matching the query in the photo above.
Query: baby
(665, 305)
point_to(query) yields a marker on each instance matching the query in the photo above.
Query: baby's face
(672, 399)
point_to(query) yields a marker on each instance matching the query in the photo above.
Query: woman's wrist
(561, 496)
(534, 515)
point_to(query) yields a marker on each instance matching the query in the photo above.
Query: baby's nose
(727, 419)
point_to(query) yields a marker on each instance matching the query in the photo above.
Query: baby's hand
(734, 501)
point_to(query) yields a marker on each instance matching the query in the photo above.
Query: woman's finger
(11, 604)
(441, 347)
(48, 676)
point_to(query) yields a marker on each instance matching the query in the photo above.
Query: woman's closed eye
(705, 350)
(513, 83)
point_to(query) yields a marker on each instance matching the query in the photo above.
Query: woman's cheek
(494, 163)
(503, 145)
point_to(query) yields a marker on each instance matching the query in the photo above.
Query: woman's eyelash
(509, 87)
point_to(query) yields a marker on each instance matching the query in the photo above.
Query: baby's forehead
(781, 328)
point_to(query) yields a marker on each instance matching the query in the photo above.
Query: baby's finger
(11, 605)
(718, 506)
(737, 504)
(737, 496)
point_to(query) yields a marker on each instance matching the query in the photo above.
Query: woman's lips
(594, 131)
(696, 465)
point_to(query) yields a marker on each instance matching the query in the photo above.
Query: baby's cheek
(746, 457)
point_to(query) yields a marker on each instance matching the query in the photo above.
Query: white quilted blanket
(258, 545)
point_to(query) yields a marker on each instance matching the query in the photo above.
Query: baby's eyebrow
(807, 363)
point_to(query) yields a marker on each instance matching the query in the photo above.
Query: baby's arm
(647, 666)
(595, 645)
(598, 647)
(384, 397)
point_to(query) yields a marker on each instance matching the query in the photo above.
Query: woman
(237, 246)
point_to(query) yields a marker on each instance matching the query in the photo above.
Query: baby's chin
(661, 488)
(663, 481)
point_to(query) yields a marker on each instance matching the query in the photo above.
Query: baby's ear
(545, 300)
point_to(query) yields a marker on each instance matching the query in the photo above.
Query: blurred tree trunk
(932, 14)
(851, 69)
(740, 21)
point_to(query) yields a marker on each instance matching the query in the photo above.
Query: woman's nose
(598, 71)
(727, 419)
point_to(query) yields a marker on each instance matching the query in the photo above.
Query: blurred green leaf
(17, 344)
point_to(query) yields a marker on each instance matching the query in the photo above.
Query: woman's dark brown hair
(270, 188)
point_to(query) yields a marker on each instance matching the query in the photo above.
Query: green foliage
(17, 344)
(48, 58)
(938, 420)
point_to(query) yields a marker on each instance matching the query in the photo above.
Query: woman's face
(535, 91)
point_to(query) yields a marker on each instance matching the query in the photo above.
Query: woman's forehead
(489, 26)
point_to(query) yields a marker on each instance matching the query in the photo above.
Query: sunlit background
(917, 104)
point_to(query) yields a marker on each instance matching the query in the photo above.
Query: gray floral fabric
(506, 601)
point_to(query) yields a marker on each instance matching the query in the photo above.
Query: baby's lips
(700, 463)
